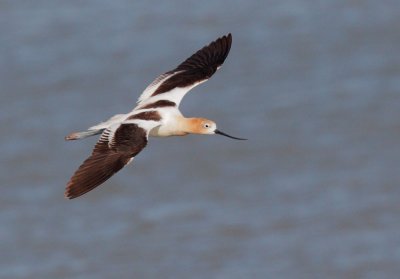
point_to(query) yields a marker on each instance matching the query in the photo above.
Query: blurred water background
(313, 193)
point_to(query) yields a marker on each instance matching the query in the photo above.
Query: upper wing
(115, 149)
(173, 85)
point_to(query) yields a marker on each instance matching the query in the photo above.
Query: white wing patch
(108, 134)
(175, 95)
(154, 86)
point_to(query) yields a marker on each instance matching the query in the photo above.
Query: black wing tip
(227, 37)
(200, 66)
(222, 47)
(224, 43)
(72, 191)
(69, 196)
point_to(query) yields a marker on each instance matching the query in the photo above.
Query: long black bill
(226, 135)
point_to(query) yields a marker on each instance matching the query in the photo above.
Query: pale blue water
(314, 193)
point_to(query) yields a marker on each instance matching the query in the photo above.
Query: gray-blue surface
(313, 193)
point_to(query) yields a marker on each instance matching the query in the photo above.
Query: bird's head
(208, 127)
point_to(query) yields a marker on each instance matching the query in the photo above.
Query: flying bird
(156, 114)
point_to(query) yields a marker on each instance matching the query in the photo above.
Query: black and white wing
(117, 146)
(169, 88)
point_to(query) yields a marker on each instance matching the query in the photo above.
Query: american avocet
(123, 136)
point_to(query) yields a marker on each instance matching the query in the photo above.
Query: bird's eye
(206, 125)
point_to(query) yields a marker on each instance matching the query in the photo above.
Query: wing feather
(194, 70)
(110, 154)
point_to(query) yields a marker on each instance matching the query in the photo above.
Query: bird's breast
(166, 131)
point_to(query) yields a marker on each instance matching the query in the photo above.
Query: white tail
(82, 135)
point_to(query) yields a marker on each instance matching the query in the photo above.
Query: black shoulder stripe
(146, 115)
(159, 104)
